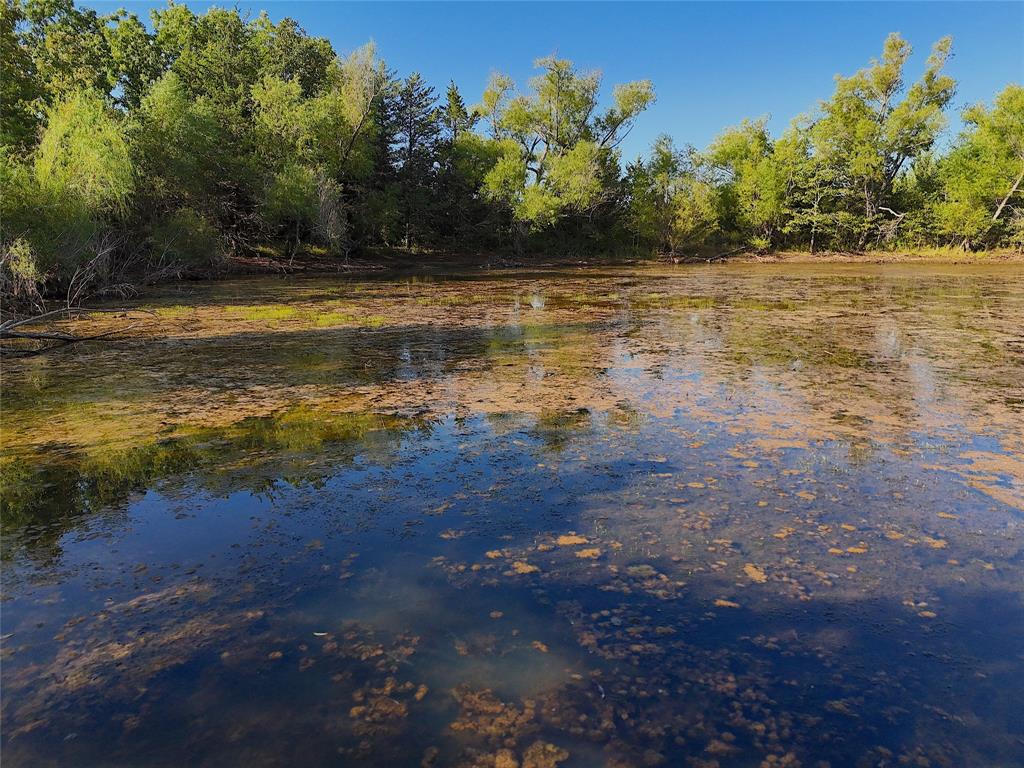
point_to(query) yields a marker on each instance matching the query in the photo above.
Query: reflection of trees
(50, 490)
(852, 356)
(856, 358)
(554, 429)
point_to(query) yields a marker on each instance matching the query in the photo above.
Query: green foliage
(186, 238)
(982, 177)
(414, 130)
(756, 182)
(291, 198)
(68, 47)
(122, 145)
(19, 270)
(454, 116)
(135, 59)
(556, 146)
(874, 125)
(673, 204)
(179, 144)
(82, 159)
(695, 214)
(19, 85)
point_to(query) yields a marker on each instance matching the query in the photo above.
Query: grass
(329, 319)
(175, 311)
(262, 312)
(765, 306)
(668, 301)
(325, 319)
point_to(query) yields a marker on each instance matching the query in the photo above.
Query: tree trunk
(519, 238)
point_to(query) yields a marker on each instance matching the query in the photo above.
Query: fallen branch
(9, 329)
(727, 254)
(14, 323)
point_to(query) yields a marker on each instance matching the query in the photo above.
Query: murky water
(730, 516)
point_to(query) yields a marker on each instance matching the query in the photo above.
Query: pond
(750, 515)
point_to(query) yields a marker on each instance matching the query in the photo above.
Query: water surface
(728, 516)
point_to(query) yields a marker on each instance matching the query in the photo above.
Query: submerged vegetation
(617, 516)
(134, 151)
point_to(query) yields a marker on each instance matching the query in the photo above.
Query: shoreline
(953, 256)
(387, 261)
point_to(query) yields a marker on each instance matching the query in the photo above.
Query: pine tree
(416, 135)
(454, 114)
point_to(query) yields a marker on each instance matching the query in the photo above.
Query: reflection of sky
(682, 445)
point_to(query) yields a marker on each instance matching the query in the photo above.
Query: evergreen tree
(417, 131)
(454, 115)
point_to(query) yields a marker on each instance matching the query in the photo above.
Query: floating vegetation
(617, 517)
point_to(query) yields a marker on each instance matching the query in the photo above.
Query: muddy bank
(930, 256)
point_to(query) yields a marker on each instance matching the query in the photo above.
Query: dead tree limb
(11, 329)
(1005, 200)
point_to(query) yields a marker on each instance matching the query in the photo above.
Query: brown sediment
(715, 447)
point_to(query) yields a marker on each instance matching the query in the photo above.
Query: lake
(749, 515)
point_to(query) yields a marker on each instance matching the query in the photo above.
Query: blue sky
(712, 63)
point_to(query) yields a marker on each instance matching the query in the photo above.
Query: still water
(764, 516)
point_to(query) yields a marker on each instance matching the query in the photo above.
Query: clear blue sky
(712, 63)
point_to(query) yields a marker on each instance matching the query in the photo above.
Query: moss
(171, 312)
(326, 319)
(262, 311)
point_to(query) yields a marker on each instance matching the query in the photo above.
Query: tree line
(162, 149)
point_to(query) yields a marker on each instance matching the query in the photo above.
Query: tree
(416, 129)
(454, 116)
(180, 146)
(66, 206)
(555, 149)
(871, 133)
(291, 203)
(673, 203)
(83, 159)
(135, 59)
(652, 188)
(695, 217)
(286, 52)
(69, 49)
(757, 180)
(215, 55)
(981, 178)
(19, 86)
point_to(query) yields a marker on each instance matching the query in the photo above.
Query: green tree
(414, 132)
(20, 88)
(455, 118)
(291, 203)
(180, 146)
(215, 55)
(757, 180)
(68, 205)
(286, 52)
(873, 125)
(69, 48)
(556, 151)
(135, 60)
(83, 158)
(981, 178)
(673, 204)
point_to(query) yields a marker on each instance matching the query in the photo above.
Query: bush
(83, 159)
(19, 271)
(186, 239)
